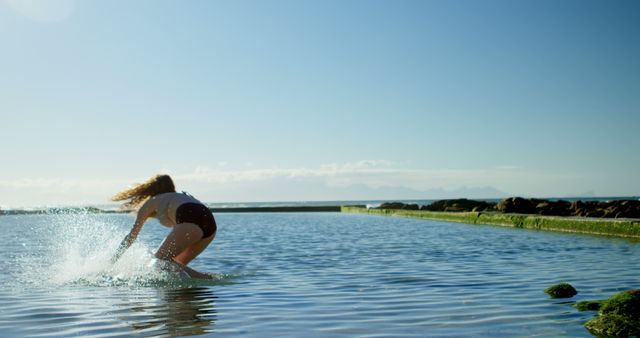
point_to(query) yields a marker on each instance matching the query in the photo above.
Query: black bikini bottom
(199, 215)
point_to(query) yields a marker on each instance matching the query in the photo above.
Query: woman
(193, 224)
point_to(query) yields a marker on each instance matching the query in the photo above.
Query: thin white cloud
(224, 174)
(228, 183)
(380, 174)
(373, 173)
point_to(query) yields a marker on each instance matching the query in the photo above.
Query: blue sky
(319, 100)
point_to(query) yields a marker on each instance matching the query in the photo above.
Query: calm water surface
(317, 275)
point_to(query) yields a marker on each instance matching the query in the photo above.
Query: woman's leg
(193, 250)
(182, 237)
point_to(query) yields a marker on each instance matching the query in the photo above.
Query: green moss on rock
(589, 305)
(625, 303)
(562, 290)
(619, 316)
(613, 326)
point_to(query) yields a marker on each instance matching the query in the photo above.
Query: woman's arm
(146, 211)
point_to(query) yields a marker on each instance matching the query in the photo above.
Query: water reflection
(177, 312)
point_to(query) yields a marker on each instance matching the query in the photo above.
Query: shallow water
(320, 275)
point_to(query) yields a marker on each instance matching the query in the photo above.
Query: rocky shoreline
(531, 206)
(489, 215)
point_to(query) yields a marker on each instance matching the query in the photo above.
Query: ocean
(304, 274)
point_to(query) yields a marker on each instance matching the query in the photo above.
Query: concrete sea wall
(597, 226)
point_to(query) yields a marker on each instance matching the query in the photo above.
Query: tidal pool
(304, 274)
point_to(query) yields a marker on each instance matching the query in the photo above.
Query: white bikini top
(165, 206)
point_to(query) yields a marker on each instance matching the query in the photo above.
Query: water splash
(77, 249)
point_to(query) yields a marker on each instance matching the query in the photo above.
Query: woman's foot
(195, 274)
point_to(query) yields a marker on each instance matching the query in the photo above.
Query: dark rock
(459, 205)
(392, 205)
(562, 290)
(612, 209)
(516, 205)
(623, 209)
(557, 208)
(578, 208)
(411, 207)
(519, 205)
(587, 209)
(399, 206)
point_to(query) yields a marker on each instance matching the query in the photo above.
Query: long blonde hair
(139, 193)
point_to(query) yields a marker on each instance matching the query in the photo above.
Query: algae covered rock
(562, 290)
(625, 303)
(619, 316)
(613, 326)
(589, 305)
